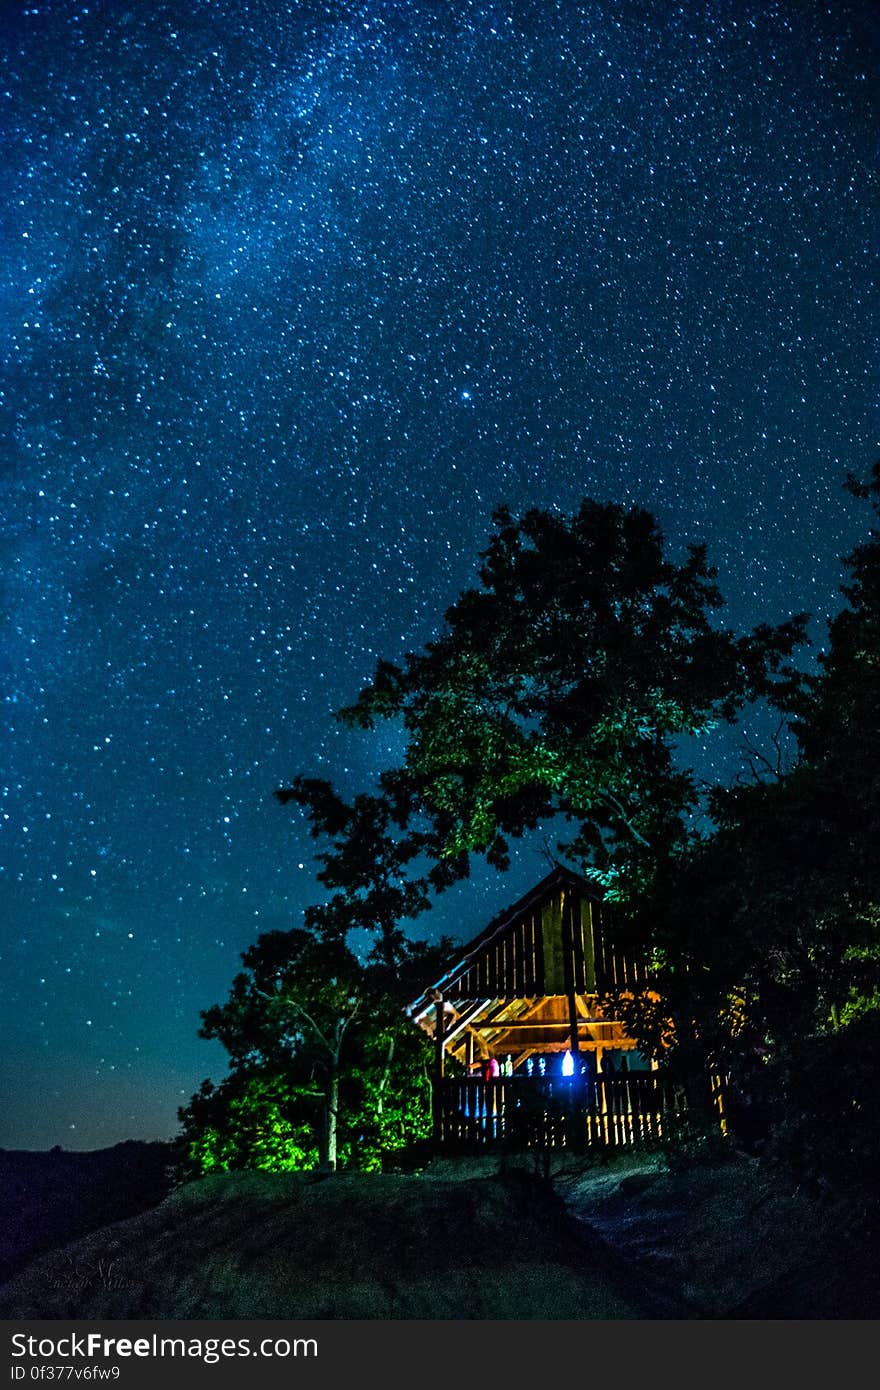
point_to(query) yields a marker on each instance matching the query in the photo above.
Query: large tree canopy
(556, 689)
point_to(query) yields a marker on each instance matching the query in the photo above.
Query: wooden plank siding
(538, 942)
(615, 965)
(551, 933)
(568, 941)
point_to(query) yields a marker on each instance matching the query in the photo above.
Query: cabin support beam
(439, 1067)
(568, 970)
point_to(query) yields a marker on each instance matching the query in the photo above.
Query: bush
(830, 1135)
(247, 1122)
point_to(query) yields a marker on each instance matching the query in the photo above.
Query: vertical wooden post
(568, 948)
(576, 1101)
(439, 1058)
(469, 1051)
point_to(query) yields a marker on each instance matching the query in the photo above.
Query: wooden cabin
(527, 1050)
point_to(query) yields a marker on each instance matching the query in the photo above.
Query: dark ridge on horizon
(50, 1197)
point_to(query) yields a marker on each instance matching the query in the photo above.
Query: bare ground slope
(388, 1246)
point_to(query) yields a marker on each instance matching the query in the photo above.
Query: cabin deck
(523, 1112)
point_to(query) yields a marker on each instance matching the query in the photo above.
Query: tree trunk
(386, 1074)
(331, 1114)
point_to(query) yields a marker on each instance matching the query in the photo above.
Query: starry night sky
(293, 295)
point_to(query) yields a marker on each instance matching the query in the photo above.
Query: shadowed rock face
(48, 1199)
(350, 1246)
(733, 1239)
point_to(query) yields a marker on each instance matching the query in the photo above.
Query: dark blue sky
(292, 297)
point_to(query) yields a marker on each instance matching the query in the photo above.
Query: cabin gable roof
(556, 939)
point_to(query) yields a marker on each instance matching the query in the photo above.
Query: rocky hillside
(731, 1238)
(627, 1238)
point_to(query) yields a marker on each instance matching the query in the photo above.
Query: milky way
(292, 297)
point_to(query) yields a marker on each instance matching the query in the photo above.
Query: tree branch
(298, 1009)
(624, 816)
(775, 770)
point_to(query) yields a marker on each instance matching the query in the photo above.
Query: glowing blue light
(568, 1064)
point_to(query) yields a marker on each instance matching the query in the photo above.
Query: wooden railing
(524, 1112)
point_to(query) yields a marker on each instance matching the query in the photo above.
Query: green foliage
(859, 1006)
(389, 1110)
(768, 930)
(556, 690)
(292, 1004)
(697, 1140)
(325, 1070)
(249, 1121)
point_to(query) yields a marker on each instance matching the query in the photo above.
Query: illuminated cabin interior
(530, 984)
(523, 1013)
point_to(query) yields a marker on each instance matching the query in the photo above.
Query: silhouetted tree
(767, 931)
(556, 690)
(323, 1063)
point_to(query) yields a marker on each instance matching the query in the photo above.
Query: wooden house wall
(615, 966)
(567, 944)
